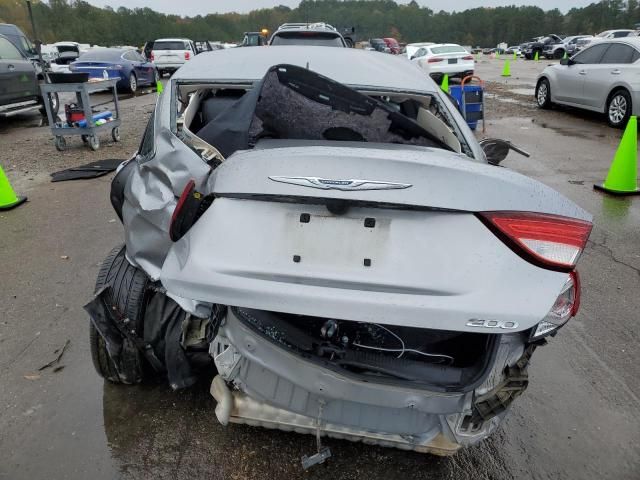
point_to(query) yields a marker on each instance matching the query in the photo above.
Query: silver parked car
(338, 246)
(605, 77)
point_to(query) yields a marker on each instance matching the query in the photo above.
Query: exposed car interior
(223, 119)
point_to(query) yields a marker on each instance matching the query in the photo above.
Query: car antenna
(307, 65)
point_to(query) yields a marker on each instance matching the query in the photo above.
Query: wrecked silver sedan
(321, 227)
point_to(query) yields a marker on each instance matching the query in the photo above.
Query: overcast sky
(203, 7)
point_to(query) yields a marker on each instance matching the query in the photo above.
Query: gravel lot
(577, 420)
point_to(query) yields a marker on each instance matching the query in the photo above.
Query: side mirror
(496, 150)
(566, 61)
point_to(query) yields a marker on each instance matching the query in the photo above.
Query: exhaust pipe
(222, 394)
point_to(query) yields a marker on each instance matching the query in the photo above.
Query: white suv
(169, 54)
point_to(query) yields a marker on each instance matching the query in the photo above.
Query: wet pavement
(579, 419)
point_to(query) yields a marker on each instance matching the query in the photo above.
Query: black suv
(532, 48)
(19, 82)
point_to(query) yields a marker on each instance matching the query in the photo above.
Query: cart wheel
(94, 142)
(85, 138)
(115, 134)
(61, 143)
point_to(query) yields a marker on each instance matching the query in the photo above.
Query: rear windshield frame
(445, 49)
(305, 37)
(171, 44)
(101, 55)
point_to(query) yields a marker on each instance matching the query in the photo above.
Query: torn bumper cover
(260, 384)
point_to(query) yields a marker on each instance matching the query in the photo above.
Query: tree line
(76, 20)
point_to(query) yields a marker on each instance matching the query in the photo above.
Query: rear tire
(558, 54)
(130, 287)
(543, 94)
(619, 108)
(133, 83)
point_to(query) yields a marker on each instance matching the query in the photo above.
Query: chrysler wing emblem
(344, 185)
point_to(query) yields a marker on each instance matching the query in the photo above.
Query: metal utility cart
(470, 99)
(89, 133)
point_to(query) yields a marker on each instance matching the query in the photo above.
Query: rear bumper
(452, 69)
(275, 388)
(168, 65)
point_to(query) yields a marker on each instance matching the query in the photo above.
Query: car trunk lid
(413, 256)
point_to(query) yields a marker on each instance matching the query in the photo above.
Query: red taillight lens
(468, 57)
(435, 60)
(152, 57)
(550, 241)
(577, 288)
(175, 229)
(565, 307)
(187, 55)
(191, 205)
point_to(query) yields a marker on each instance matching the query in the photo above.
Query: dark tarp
(90, 170)
(291, 102)
(163, 330)
(161, 345)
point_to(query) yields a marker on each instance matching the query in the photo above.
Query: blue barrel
(473, 96)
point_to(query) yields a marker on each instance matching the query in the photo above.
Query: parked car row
(556, 46)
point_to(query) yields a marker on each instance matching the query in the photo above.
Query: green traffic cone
(515, 57)
(8, 198)
(497, 54)
(159, 87)
(565, 56)
(506, 71)
(536, 57)
(444, 86)
(622, 178)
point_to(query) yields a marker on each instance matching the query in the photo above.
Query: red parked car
(393, 45)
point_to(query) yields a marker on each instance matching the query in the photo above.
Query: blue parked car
(129, 66)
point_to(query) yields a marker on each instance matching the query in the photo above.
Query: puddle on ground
(500, 98)
(529, 92)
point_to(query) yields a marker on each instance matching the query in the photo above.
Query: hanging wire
(403, 349)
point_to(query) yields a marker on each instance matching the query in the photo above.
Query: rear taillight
(565, 307)
(152, 57)
(190, 207)
(549, 241)
(435, 60)
(468, 57)
(187, 55)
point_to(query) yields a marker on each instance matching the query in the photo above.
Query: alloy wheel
(617, 109)
(542, 94)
